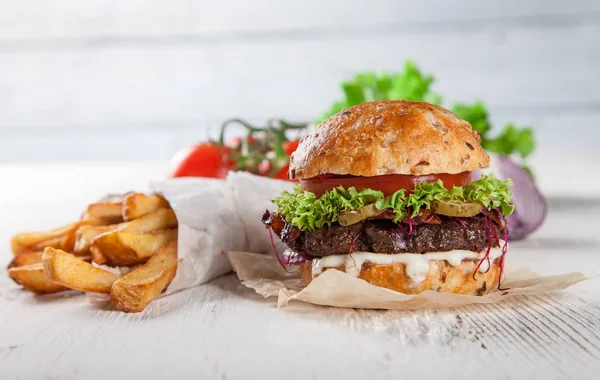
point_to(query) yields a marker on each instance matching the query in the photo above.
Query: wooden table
(222, 330)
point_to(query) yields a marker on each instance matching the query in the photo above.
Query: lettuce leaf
(491, 193)
(308, 212)
(476, 114)
(511, 140)
(410, 84)
(396, 202)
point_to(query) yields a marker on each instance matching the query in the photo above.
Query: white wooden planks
(115, 85)
(222, 331)
(32, 20)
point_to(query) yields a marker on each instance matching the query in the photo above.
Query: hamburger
(388, 192)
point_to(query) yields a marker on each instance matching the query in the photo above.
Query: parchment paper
(217, 216)
(335, 288)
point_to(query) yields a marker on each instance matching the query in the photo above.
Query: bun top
(389, 137)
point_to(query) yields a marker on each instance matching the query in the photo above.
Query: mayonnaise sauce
(417, 265)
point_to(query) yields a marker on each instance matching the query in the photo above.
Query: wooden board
(225, 331)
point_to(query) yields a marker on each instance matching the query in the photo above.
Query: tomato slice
(388, 184)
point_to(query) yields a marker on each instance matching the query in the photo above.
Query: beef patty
(384, 236)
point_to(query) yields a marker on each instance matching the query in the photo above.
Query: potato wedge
(26, 240)
(26, 258)
(113, 198)
(74, 273)
(160, 219)
(136, 205)
(68, 241)
(97, 255)
(109, 212)
(133, 292)
(33, 278)
(124, 248)
(54, 243)
(85, 235)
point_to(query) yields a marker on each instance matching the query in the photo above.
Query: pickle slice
(351, 217)
(458, 209)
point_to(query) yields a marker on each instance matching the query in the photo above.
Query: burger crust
(389, 137)
(442, 277)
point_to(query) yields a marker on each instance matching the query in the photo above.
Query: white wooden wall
(135, 79)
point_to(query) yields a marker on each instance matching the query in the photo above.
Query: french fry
(120, 230)
(108, 212)
(97, 255)
(26, 258)
(136, 205)
(85, 235)
(161, 219)
(26, 240)
(112, 198)
(68, 241)
(33, 278)
(74, 273)
(54, 243)
(124, 248)
(133, 292)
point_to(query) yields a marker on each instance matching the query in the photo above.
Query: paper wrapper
(335, 288)
(215, 217)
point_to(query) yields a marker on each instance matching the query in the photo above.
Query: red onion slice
(290, 257)
(530, 205)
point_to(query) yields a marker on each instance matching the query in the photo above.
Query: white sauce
(417, 265)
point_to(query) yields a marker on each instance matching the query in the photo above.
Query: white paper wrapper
(215, 217)
(335, 288)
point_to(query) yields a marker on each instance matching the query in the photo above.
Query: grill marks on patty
(383, 236)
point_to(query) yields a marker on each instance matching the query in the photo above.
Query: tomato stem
(252, 151)
(227, 123)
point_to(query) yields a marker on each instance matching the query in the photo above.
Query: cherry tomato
(388, 184)
(290, 147)
(203, 160)
(282, 173)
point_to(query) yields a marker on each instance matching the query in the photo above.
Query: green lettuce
(395, 202)
(510, 140)
(491, 193)
(306, 211)
(410, 84)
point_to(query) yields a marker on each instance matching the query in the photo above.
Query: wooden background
(134, 80)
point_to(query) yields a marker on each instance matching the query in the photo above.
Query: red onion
(290, 257)
(530, 204)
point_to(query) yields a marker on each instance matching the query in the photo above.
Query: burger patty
(384, 236)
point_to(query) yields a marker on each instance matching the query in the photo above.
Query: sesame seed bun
(389, 137)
